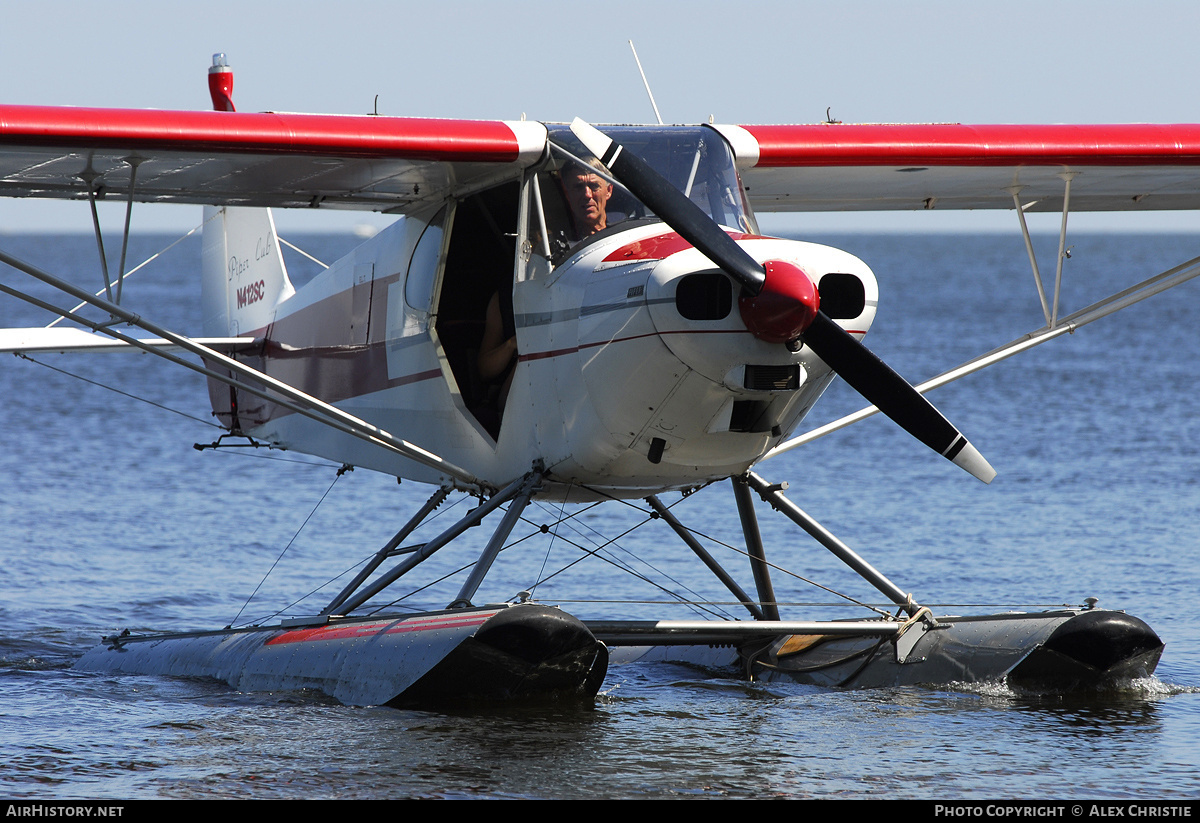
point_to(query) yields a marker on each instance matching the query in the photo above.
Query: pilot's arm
(495, 353)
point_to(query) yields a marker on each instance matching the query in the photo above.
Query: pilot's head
(587, 196)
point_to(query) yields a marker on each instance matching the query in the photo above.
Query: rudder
(243, 274)
(243, 281)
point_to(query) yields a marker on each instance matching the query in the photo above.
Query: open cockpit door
(477, 278)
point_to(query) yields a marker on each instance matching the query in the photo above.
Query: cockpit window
(574, 201)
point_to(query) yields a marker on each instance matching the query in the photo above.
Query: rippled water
(110, 519)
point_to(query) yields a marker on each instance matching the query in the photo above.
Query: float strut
(484, 563)
(472, 518)
(847, 555)
(432, 503)
(706, 558)
(754, 546)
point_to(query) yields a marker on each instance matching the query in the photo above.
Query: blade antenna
(646, 83)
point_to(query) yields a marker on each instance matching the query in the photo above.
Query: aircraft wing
(282, 160)
(391, 163)
(844, 167)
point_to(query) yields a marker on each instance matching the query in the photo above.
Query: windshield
(574, 200)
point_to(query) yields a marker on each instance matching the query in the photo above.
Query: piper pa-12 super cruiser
(571, 312)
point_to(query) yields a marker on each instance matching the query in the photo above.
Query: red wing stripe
(309, 134)
(959, 145)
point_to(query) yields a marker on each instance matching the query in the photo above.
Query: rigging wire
(790, 573)
(336, 478)
(141, 265)
(628, 570)
(97, 383)
(626, 567)
(549, 546)
(301, 251)
(587, 552)
(696, 602)
(160, 406)
(434, 516)
(744, 553)
(774, 566)
(229, 451)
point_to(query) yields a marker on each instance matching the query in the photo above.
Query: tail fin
(243, 274)
(243, 280)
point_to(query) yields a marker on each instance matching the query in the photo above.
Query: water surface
(109, 519)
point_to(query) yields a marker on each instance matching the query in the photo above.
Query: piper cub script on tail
(577, 313)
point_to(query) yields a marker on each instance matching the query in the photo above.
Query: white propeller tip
(596, 141)
(972, 461)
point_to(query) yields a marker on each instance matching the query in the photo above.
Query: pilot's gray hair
(579, 169)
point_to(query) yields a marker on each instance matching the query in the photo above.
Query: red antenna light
(220, 84)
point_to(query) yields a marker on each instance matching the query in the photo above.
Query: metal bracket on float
(914, 628)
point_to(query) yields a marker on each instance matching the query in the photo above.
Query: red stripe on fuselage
(662, 246)
(335, 348)
(542, 355)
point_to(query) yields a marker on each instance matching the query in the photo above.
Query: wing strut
(279, 392)
(1101, 308)
(89, 178)
(1050, 313)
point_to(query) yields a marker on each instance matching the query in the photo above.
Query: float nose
(784, 308)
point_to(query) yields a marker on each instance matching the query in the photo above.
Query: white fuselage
(623, 383)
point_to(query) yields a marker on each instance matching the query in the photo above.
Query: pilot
(587, 195)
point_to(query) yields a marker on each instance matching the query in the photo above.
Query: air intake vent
(706, 295)
(842, 296)
(750, 416)
(772, 378)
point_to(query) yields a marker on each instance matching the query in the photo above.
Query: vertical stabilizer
(243, 280)
(243, 274)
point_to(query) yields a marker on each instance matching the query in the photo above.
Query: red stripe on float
(384, 627)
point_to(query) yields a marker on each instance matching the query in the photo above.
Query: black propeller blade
(853, 362)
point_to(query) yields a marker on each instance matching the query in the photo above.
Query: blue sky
(744, 62)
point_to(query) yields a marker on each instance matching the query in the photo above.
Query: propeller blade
(892, 395)
(850, 359)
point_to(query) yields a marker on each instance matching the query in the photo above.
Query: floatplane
(572, 312)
